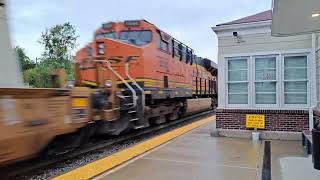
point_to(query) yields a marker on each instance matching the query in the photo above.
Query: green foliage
(59, 41)
(39, 76)
(25, 62)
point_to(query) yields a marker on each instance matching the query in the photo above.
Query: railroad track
(17, 169)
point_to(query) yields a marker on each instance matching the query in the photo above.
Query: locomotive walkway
(198, 156)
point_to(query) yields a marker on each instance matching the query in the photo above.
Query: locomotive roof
(204, 62)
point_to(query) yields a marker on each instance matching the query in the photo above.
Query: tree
(59, 42)
(25, 62)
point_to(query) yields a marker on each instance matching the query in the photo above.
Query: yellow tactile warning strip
(107, 163)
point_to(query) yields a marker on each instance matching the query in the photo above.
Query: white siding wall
(263, 43)
(318, 68)
(257, 40)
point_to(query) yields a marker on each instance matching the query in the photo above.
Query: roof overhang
(242, 26)
(293, 17)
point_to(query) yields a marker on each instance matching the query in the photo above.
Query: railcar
(150, 76)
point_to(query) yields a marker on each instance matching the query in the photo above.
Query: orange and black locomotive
(148, 77)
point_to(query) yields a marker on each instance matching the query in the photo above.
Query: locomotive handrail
(134, 94)
(143, 96)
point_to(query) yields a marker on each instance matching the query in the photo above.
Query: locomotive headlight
(101, 48)
(108, 83)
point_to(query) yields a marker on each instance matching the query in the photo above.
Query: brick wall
(276, 120)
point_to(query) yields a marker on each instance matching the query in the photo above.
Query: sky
(189, 21)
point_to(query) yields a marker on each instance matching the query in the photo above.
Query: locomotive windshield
(111, 35)
(138, 38)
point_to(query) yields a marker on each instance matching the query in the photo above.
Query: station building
(263, 74)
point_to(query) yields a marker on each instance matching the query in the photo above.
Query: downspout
(314, 81)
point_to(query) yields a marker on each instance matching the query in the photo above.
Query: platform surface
(198, 156)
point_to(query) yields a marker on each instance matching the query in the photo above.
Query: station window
(265, 80)
(273, 80)
(163, 45)
(295, 80)
(237, 81)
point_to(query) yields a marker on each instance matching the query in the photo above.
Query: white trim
(227, 83)
(266, 53)
(307, 80)
(251, 74)
(276, 81)
(266, 108)
(221, 82)
(219, 28)
(313, 70)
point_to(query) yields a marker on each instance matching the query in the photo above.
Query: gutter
(241, 26)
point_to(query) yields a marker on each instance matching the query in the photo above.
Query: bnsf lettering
(117, 59)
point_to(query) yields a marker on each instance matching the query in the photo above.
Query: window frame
(254, 81)
(99, 36)
(228, 82)
(306, 80)
(311, 80)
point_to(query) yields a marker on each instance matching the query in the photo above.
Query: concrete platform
(198, 156)
(290, 162)
(195, 155)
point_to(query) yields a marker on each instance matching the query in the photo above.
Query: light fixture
(315, 15)
(108, 83)
(101, 48)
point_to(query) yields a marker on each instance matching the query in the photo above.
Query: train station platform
(190, 153)
(198, 156)
(195, 155)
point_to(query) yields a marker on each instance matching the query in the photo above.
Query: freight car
(148, 77)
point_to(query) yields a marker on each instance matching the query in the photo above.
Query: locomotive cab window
(138, 38)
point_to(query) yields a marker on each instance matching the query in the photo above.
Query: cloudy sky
(190, 21)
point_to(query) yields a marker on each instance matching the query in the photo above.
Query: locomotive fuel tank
(197, 105)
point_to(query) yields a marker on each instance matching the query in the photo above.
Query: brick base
(276, 120)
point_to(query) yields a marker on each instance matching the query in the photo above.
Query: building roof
(263, 16)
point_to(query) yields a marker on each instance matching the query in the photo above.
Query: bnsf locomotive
(144, 75)
(132, 75)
